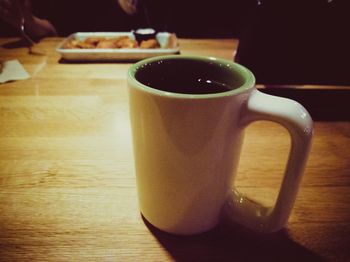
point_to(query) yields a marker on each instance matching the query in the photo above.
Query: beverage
(187, 77)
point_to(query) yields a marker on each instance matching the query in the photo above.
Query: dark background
(187, 18)
(281, 41)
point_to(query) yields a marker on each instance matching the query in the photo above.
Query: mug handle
(298, 122)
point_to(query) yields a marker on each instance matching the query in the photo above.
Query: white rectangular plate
(168, 45)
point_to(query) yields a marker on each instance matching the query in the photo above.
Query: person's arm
(39, 27)
(11, 12)
(129, 6)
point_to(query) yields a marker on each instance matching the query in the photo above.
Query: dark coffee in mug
(187, 76)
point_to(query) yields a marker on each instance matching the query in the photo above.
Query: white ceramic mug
(187, 145)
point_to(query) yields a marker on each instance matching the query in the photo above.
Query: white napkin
(12, 70)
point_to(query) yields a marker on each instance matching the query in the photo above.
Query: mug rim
(243, 71)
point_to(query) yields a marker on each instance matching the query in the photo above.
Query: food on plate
(94, 40)
(126, 42)
(151, 43)
(112, 42)
(73, 43)
(109, 43)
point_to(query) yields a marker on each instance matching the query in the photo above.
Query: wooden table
(67, 183)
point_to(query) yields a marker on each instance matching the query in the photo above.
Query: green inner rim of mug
(232, 74)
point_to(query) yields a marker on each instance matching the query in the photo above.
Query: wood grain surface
(67, 182)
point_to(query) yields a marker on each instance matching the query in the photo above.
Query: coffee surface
(187, 77)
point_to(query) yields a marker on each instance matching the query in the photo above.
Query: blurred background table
(67, 183)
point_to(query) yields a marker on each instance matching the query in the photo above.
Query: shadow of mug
(228, 242)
